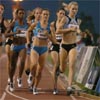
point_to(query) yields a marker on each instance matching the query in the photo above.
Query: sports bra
(38, 31)
(23, 29)
(71, 22)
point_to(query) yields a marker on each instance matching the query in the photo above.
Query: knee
(34, 63)
(33, 66)
(33, 69)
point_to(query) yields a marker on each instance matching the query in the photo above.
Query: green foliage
(86, 90)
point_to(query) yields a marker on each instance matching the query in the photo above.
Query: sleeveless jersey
(71, 23)
(23, 29)
(38, 31)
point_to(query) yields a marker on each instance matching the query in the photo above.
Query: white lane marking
(42, 92)
(39, 88)
(73, 98)
(10, 93)
(3, 96)
(6, 89)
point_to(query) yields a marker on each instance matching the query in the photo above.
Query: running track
(45, 87)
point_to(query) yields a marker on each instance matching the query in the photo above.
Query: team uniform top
(71, 23)
(38, 31)
(23, 29)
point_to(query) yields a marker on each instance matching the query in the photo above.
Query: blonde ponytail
(68, 6)
(65, 5)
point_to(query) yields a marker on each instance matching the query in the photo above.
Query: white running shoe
(11, 87)
(35, 92)
(29, 80)
(19, 80)
(55, 91)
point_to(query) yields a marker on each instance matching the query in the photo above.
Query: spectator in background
(87, 38)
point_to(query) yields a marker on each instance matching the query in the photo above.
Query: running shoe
(11, 87)
(29, 80)
(35, 92)
(70, 91)
(55, 91)
(19, 80)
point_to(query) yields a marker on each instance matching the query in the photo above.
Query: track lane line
(12, 94)
(3, 96)
(7, 88)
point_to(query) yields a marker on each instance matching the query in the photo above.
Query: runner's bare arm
(6, 23)
(53, 31)
(61, 30)
(28, 33)
(79, 30)
(52, 35)
(9, 34)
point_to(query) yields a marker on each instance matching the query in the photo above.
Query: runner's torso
(40, 39)
(21, 37)
(70, 38)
